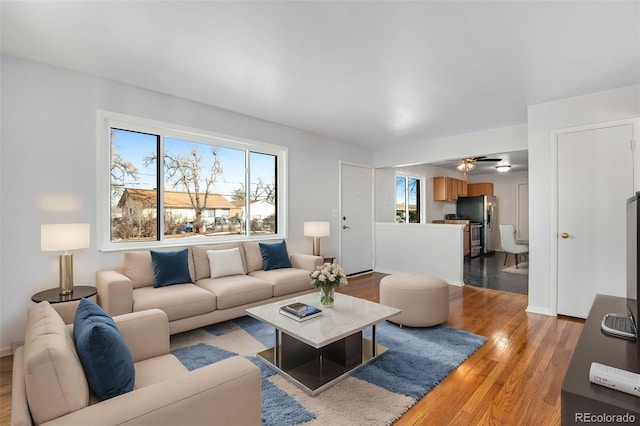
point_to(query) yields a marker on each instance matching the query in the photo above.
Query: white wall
(503, 139)
(593, 108)
(49, 150)
(418, 248)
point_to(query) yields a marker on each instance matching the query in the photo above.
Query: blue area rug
(417, 360)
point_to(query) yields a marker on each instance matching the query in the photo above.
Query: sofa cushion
(225, 262)
(105, 356)
(253, 256)
(54, 379)
(170, 267)
(138, 267)
(285, 280)
(177, 301)
(201, 259)
(275, 255)
(236, 290)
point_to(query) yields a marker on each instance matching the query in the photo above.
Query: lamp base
(66, 274)
(316, 246)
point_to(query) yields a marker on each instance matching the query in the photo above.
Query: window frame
(419, 207)
(107, 120)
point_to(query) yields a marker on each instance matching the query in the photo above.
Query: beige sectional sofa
(211, 300)
(50, 386)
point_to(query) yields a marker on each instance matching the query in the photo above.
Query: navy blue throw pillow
(170, 267)
(274, 255)
(104, 355)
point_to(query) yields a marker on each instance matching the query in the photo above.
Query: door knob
(565, 235)
(346, 227)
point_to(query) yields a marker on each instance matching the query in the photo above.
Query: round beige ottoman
(424, 300)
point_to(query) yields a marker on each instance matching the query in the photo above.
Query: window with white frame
(407, 199)
(211, 186)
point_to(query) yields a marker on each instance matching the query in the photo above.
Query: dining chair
(509, 245)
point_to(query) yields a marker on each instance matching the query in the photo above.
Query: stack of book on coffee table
(300, 311)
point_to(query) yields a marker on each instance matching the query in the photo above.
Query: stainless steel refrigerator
(482, 209)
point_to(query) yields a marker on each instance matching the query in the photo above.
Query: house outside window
(212, 186)
(407, 199)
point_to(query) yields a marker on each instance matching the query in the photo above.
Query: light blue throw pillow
(104, 355)
(274, 255)
(170, 267)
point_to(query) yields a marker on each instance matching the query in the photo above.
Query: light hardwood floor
(514, 378)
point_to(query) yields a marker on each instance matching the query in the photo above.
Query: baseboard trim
(9, 350)
(538, 310)
(361, 273)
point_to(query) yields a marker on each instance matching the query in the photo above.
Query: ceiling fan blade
(488, 159)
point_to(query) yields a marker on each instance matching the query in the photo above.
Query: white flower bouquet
(327, 278)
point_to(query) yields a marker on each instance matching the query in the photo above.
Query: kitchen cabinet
(466, 248)
(474, 189)
(463, 188)
(446, 188)
(467, 242)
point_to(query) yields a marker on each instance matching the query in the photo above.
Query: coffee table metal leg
(276, 352)
(374, 346)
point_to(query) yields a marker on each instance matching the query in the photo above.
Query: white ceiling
(364, 72)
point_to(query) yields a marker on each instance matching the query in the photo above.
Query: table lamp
(316, 230)
(65, 237)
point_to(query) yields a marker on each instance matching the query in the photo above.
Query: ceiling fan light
(503, 168)
(465, 165)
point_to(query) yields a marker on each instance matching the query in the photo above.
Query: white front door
(356, 218)
(594, 180)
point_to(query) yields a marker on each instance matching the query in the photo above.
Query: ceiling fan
(467, 164)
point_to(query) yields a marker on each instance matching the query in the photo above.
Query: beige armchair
(49, 385)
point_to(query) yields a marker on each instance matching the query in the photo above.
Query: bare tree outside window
(129, 222)
(163, 187)
(190, 172)
(261, 191)
(263, 195)
(407, 199)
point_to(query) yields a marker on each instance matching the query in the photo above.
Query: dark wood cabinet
(579, 396)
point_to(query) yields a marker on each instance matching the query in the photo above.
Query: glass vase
(327, 296)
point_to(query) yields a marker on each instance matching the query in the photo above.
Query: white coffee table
(317, 353)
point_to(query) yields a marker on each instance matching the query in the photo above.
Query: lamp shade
(62, 237)
(316, 229)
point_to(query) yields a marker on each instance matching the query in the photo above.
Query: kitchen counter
(452, 221)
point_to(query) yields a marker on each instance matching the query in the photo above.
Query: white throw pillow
(225, 262)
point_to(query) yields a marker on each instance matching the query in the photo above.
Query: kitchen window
(212, 187)
(407, 199)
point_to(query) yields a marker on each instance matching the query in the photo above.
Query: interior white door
(356, 221)
(595, 177)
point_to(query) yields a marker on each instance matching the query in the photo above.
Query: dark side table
(66, 304)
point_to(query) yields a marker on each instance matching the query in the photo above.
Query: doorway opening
(487, 271)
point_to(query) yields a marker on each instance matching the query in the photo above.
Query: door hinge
(633, 145)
